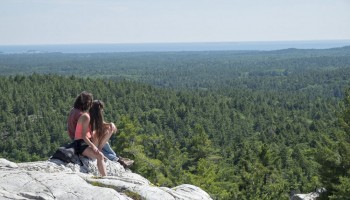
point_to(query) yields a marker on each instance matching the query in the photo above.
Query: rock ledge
(57, 180)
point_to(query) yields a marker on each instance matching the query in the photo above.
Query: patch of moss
(133, 195)
(130, 194)
(95, 183)
(96, 177)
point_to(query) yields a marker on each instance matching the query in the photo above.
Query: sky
(171, 21)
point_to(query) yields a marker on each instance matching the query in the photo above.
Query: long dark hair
(96, 117)
(83, 101)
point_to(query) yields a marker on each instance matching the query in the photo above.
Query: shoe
(125, 162)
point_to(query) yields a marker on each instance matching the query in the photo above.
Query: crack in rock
(31, 196)
(48, 189)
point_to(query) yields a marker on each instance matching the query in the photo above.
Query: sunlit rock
(57, 180)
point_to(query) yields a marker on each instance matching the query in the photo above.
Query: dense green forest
(239, 124)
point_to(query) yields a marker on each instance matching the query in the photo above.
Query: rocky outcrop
(309, 196)
(57, 180)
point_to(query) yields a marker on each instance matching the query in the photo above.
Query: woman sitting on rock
(87, 141)
(102, 131)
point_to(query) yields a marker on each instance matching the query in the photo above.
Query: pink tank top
(75, 129)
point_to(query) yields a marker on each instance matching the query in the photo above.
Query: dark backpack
(67, 154)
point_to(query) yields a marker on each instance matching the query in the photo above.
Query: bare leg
(101, 165)
(95, 141)
(102, 141)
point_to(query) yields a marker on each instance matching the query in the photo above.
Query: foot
(126, 162)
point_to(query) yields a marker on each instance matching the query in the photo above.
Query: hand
(95, 149)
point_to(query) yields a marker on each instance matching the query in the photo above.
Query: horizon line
(204, 42)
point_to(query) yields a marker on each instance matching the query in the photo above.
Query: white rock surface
(57, 180)
(309, 196)
(5, 163)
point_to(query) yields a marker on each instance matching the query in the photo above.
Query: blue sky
(157, 21)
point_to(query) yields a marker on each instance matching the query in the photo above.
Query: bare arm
(85, 121)
(110, 127)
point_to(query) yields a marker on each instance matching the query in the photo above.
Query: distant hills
(171, 47)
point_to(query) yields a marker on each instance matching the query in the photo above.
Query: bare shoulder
(84, 117)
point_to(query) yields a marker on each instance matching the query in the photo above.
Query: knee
(109, 132)
(112, 129)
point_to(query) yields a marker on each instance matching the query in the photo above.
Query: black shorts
(80, 146)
